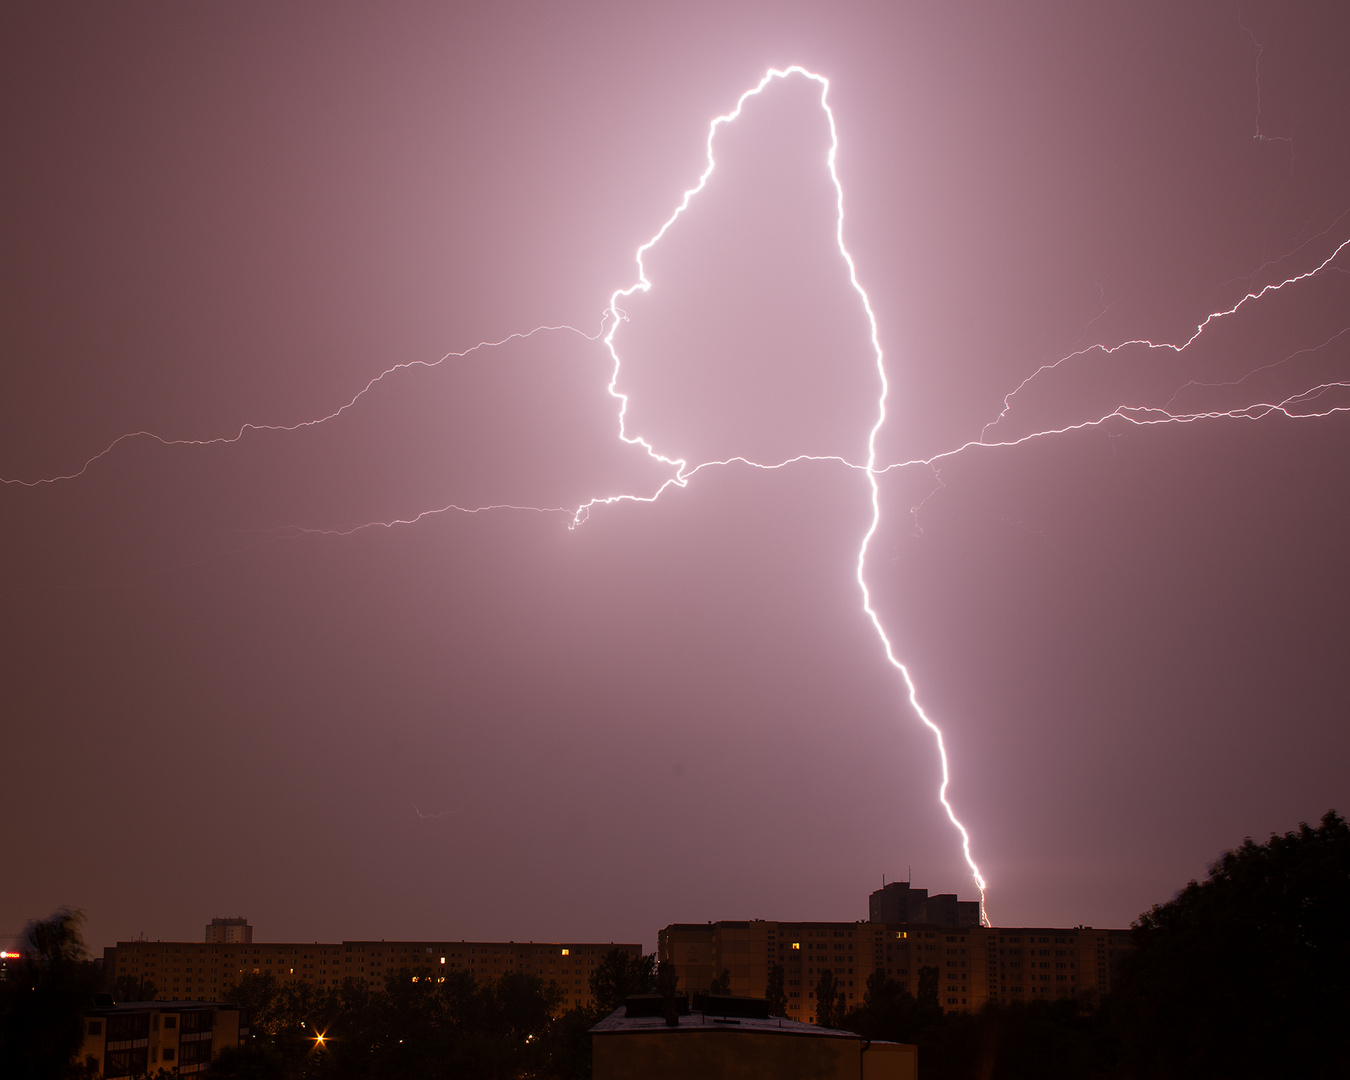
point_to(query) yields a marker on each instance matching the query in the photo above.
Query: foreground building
(726, 1037)
(200, 971)
(140, 1038)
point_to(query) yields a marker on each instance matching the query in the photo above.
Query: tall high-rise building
(899, 902)
(229, 932)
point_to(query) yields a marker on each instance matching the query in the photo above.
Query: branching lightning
(682, 474)
(1322, 399)
(244, 429)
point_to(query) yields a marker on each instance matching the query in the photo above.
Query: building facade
(707, 1043)
(140, 1038)
(229, 932)
(973, 964)
(199, 971)
(898, 902)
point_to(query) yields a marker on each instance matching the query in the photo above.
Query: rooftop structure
(229, 932)
(899, 902)
(724, 1037)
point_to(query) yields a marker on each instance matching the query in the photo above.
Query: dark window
(170, 1021)
(194, 1052)
(135, 1026)
(95, 1027)
(199, 1020)
(168, 1053)
(125, 1062)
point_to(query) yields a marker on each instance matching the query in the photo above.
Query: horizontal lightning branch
(246, 428)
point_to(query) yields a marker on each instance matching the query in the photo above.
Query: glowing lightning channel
(1167, 346)
(682, 471)
(299, 425)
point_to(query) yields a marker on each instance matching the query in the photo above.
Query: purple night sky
(220, 699)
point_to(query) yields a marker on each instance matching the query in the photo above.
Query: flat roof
(158, 1006)
(616, 1023)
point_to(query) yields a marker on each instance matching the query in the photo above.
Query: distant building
(725, 1038)
(140, 1038)
(229, 932)
(204, 972)
(970, 965)
(899, 903)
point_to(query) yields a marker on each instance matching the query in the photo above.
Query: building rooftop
(694, 1021)
(157, 1006)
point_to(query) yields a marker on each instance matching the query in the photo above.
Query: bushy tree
(619, 975)
(777, 991)
(423, 1024)
(41, 1027)
(667, 985)
(133, 988)
(1248, 972)
(828, 999)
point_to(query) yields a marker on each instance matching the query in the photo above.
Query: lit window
(566, 952)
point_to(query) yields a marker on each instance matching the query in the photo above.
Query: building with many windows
(141, 1038)
(203, 971)
(229, 932)
(970, 965)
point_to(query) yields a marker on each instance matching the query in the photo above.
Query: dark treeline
(1243, 975)
(425, 1024)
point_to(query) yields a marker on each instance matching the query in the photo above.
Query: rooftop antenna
(911, 874)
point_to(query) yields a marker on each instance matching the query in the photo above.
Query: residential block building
(201, 971)
(971, 964)
(229, 932)
(140, 1038)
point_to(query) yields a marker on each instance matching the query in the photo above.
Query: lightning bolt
(682, 473)
(1322, 399)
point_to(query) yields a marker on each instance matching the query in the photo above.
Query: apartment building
(200, 971)
(140, 1038)
(971, 964)
(236, 931)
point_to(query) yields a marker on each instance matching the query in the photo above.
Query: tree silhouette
(828, 1000)
(619, 975)
(1245, 973)
(41, 1005)
(777, 991)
